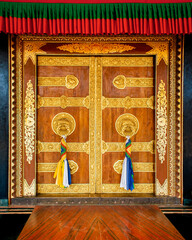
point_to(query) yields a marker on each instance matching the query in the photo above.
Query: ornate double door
(99, 100)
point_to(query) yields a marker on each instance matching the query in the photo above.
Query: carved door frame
(168, 180)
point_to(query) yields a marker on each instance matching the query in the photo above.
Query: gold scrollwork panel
(56, 147)
(84, 188)
(135, 147)
(128, 61)
(63, 61)
(122, 82)
(53, 188)
(137, 167)
(70, 81)
(128, 102)
(63, 102)
(50, 167)
(139, 188)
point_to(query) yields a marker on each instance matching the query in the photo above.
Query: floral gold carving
(161, 121)
(50, 167)
(160, 49)
(63, 102)
(137, 167)
(127, 125)
(96, 48)
(63, 124)
(128, 102)
(135, 147)
(56, 147)
(70, 81)
(29, 190)
(161, 190)
(29, 125)
(122, 82)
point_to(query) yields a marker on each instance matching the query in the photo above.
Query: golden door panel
(47, 162)
(46, 115)
(63, 80)
(64, 86)
(125, 85)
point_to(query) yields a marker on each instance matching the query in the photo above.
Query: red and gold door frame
(27, 53)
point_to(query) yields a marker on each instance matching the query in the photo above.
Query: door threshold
(87, 200)
(96, 195)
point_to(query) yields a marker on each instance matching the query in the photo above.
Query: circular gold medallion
(127, 125)
(63, 124)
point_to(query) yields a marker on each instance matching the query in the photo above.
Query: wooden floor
(98, 222)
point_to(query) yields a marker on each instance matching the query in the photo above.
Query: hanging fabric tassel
(62, 172)
(127, 180)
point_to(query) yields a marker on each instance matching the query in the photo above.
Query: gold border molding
(12, 177)
(128, 102)
(63, 102)
(135, 147)
(56, 147)
(121, 82)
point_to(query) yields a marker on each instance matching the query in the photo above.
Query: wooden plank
(98, 222)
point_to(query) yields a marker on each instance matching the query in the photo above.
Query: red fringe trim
(95, 26)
